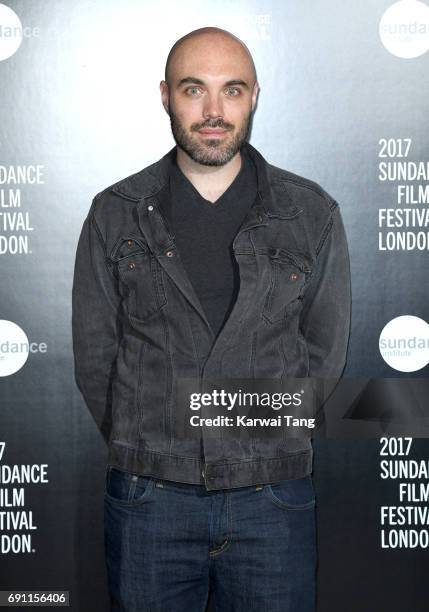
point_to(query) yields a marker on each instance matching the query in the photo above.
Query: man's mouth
(213, 132)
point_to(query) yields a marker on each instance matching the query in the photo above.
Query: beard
(211, 152)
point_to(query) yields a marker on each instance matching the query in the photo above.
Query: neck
(209, 181)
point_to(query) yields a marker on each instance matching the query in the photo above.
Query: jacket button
(260, 218)
(150, 207)
(130, 243)
(131, 265)
(169, 253)
(293, 276)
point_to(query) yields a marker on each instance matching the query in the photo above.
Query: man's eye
(232, 91)
(193, 91)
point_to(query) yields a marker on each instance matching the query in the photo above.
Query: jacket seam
(259, 459)
(326, 231)
(316, 189)
(153, 452)
(198, 460)
(113, 186)
(93, 221)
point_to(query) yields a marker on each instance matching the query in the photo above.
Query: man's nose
(212, 107)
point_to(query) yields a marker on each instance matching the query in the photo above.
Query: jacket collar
(274, 196)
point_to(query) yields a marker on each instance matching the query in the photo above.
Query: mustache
(212, 123)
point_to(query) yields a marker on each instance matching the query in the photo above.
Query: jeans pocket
(297, 494)
(125, 488)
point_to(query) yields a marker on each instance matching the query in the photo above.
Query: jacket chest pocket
(288, 276)
(141, 274)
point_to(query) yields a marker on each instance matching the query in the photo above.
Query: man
(209, 264)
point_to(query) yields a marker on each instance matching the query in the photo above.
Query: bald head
(211, 45)
(209, 92)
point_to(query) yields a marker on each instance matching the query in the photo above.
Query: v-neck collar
(188, 185)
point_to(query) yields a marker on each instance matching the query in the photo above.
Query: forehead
(208, 57)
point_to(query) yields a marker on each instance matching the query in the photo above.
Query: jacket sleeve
(95, 323)
(325, 317)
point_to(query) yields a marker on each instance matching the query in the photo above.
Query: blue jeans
(168, 544)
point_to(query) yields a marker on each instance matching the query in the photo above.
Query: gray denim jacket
(139, 328)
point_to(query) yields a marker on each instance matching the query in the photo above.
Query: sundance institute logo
(404, 29)
(12, 32)
(404, 343)
(15, 347)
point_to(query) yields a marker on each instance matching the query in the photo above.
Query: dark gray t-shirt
(204, 232)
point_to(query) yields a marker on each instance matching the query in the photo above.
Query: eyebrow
(196, 81)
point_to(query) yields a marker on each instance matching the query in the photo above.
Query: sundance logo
(404, 343)
(15, 347)
(12, 32)
(404, 29)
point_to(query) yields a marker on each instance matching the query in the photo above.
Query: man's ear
(163, 86)
(255, 93)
